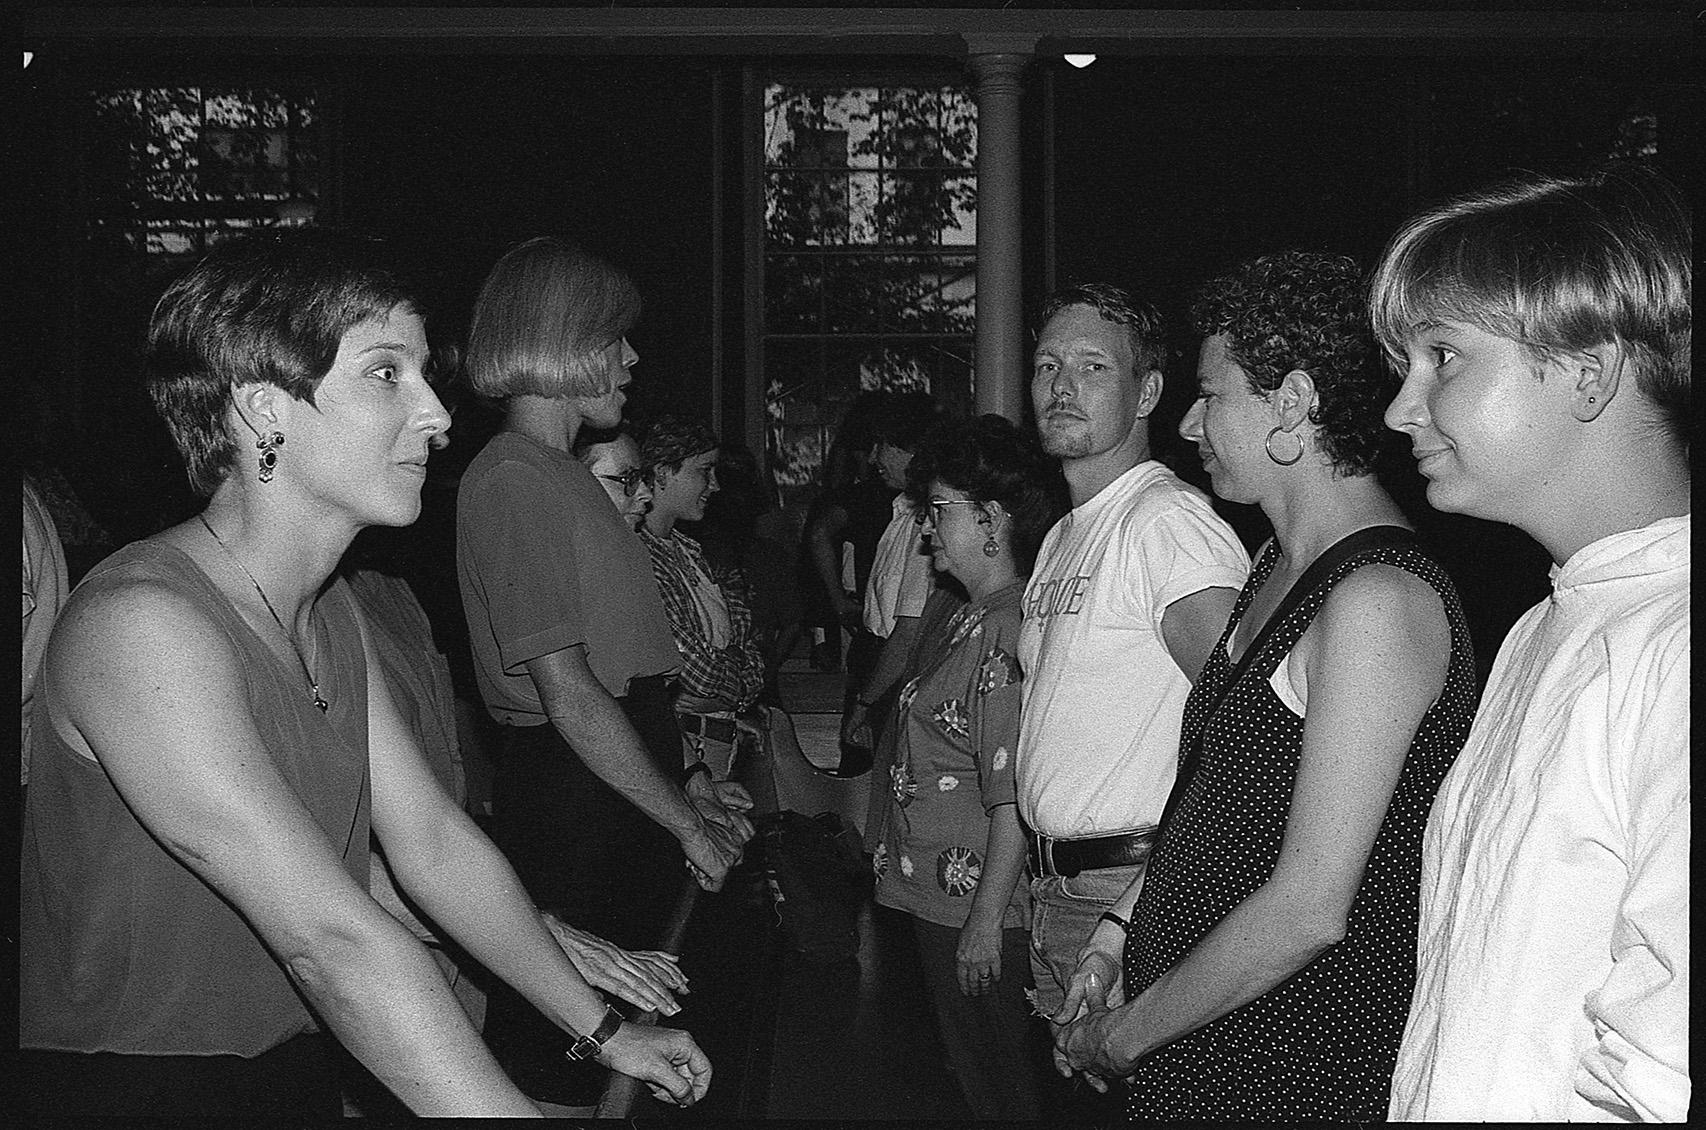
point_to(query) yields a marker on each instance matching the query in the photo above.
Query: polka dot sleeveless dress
(1321, 1045)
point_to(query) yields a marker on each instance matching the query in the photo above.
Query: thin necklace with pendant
(319, 699)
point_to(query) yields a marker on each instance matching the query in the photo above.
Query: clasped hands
(721, 807)
(669, 1061)
(1085, 1027)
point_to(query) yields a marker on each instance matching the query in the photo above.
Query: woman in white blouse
(1543, 331)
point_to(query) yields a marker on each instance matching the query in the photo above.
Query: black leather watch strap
(589, 1045)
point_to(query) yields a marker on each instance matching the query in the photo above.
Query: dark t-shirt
(545, 563)
(869, 506)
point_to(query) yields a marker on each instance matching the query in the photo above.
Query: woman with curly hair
(951, 851)
(1271, 952)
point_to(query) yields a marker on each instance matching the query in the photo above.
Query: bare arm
(823, 538)
(154, 689)
(980, 937)
(1376, 660)
(885, 673)
(459, 878)
(1191, 627)
(591, 721)
(892, 659)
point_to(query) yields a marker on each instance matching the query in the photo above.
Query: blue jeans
(1064, 913)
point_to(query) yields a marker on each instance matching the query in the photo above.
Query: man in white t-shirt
(1129, 594)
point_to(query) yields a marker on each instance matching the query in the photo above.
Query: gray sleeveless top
(123, 948)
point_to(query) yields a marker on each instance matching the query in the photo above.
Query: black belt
(707, 727)
(1067, 858)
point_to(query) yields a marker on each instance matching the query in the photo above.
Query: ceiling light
(1080, 61)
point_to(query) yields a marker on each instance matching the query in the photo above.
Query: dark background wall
(1165, 171)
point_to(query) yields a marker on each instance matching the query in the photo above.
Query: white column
(1001, 358)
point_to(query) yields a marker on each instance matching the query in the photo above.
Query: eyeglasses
(630, 480)
(936, 505)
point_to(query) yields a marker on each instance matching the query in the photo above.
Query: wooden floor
(850, 1042)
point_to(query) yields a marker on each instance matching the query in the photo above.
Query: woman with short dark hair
(216, 738)
(1268, 959)
(950, 852)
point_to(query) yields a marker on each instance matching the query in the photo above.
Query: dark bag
(818, 879)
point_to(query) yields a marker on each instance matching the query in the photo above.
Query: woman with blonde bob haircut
(563, 311)
(572, 650)
(1542, 329)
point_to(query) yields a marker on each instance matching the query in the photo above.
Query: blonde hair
(1557, 265)
(545, 315)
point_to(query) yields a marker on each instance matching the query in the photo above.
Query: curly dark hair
(993, 460)
(1305, 310)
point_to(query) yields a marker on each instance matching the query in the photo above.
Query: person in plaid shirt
(722, 666)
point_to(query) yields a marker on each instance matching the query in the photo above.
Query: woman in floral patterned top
(951, 852)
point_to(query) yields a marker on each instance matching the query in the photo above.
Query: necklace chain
(313, 685)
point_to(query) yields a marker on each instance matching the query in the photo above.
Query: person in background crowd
(1543, 328)
(842, 528)
(950, 852)
(1130, 591)
(899, 584)
(44, 590)
(571, 646)
(751, 551)
(1272, 948)
(722, 668)
(613, 457)
(214, 738)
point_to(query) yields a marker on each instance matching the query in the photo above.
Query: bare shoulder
(1382, 594)
(1381, 615)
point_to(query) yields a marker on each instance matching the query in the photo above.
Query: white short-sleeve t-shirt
(1099, 735)
(900, 578)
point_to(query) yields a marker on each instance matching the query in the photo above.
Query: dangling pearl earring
(992, 548)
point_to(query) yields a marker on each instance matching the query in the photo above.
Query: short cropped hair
(265, 308)
(1303, 310)
(1143, 322)
(671, 440)
(544, 316)
(1557, 264)
(991, 459)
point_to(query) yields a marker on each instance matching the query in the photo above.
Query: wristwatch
(589, 1045)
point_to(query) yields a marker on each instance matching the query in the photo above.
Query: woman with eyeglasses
(572, 651)
(614, 460)
(951, 852)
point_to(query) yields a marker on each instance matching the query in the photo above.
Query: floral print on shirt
(957, 722)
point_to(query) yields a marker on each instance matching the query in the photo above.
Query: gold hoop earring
(1268, 446)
